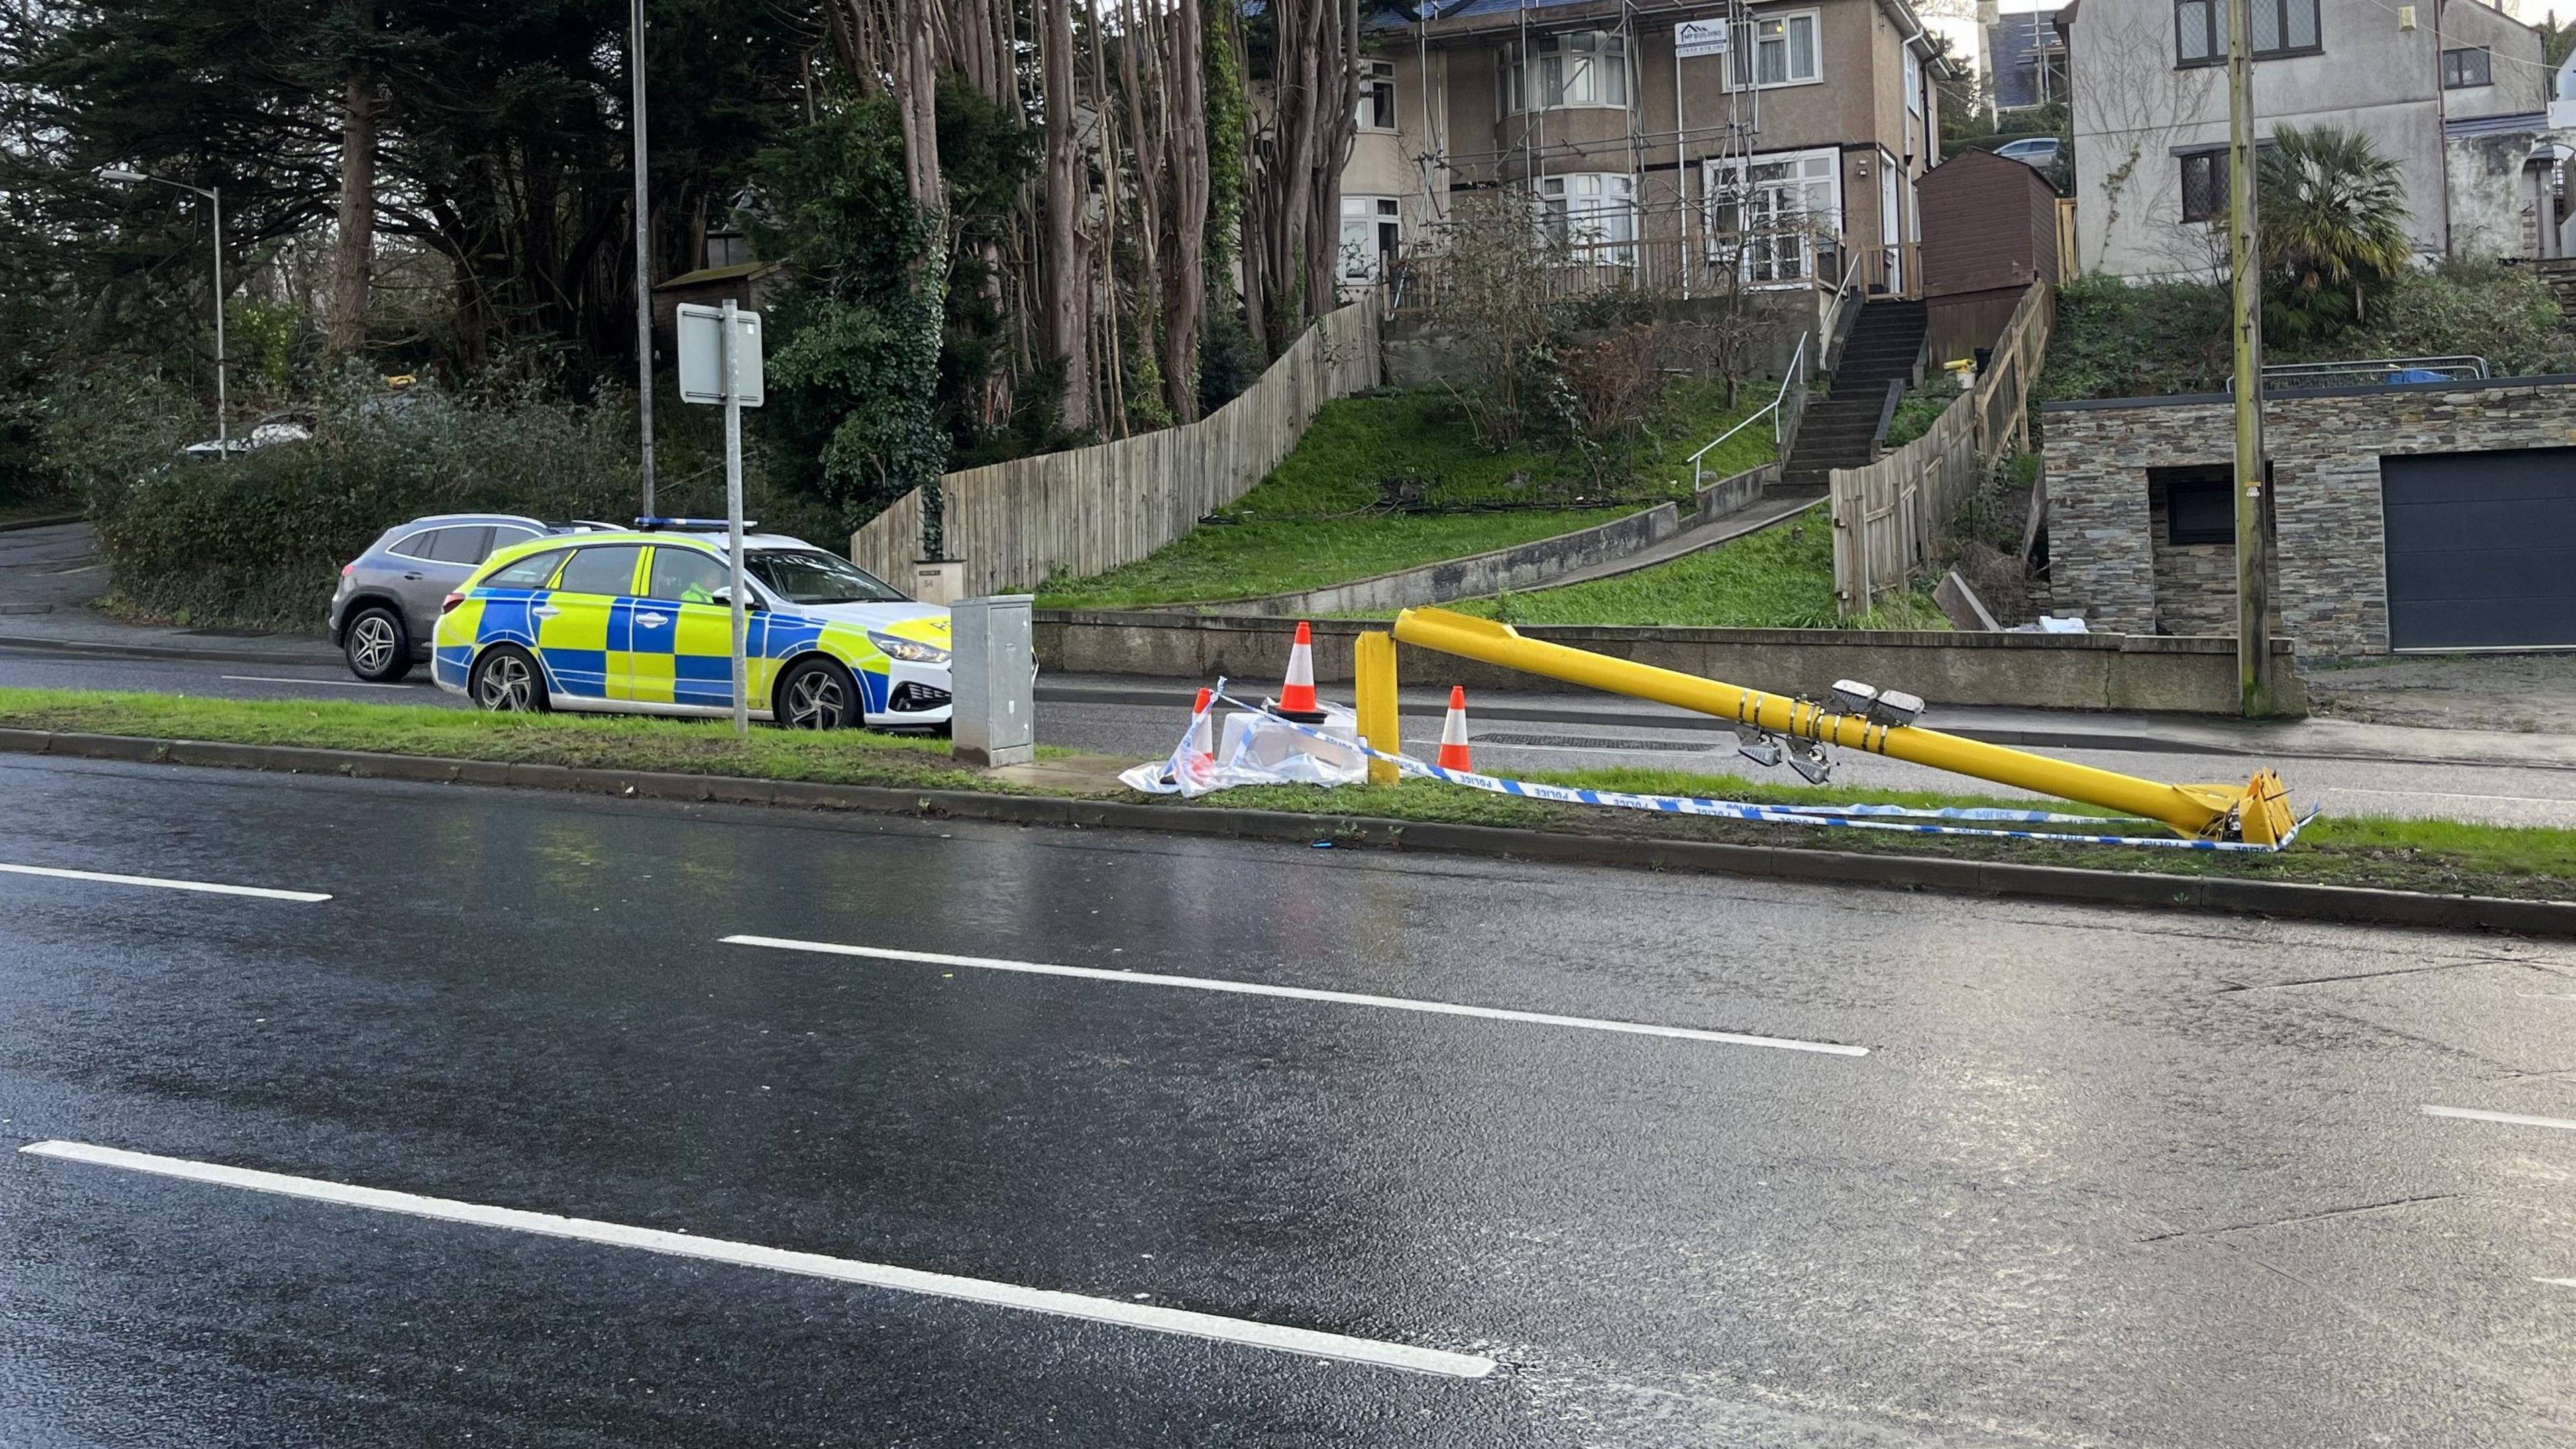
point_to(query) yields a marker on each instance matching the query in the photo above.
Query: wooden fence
(1090, 509)
(1888, 515)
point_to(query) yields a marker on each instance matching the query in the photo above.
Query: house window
(1594, 214)
(1578, 68)
(1779, 210)
(2281, 27)
(1913, 81)
(1377, 95)
(1775, 51)
(2204, 185)
(1372, 234)
(2468, 67)
(727, 249)
(2200, 504)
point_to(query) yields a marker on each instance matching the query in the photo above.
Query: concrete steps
(1840, 431)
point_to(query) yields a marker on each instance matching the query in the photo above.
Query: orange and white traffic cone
(1202, 745)
(1297, 696)
(1453, 733)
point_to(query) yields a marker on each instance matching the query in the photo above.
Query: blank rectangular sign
(701, 353)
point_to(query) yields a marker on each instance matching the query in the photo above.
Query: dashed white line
(1125, 1313)
(1298, 993)
(2557, 1282)
(340, 683)
(2516, 1119)
(205, 887)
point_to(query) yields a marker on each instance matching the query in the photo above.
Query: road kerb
(2353, 904)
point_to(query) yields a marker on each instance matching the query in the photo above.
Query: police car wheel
(377, 646)
(817, 695)
(506, 677)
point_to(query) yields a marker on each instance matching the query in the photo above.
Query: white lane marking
(1125, 1313)
(342, 683)
(2515, 1118)
(1297, 993)
(207, 887)
(2557, 1282)
(2448, 795)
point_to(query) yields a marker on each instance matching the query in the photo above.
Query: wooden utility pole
(2245, 266)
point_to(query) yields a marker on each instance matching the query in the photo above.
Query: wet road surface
(2101, 1177)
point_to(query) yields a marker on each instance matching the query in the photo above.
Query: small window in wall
(1776, 51)
(1913, 81)
(2200, 505)
(727, 249)
(1377, 95)
(1577, 68)
(1372, 234)
(2204, 185)
(2281, 27)
(2471, 66)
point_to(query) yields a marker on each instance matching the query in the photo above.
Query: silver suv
(387, 604)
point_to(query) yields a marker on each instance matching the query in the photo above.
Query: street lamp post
(215, 197)
(643, 255)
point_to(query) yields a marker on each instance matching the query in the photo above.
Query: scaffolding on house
(1711, 215)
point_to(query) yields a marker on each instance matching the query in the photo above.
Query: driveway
(2527, 693)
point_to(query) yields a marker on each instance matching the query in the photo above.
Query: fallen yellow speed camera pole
(2257, 812)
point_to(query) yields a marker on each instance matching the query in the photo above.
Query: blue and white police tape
(1900, 818)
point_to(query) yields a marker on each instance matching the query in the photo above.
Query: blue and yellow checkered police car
(641, 622)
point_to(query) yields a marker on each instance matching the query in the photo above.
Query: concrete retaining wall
(2046, 671)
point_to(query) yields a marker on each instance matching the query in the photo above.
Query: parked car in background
(386, 607)
(641, 622)
(2039, 152)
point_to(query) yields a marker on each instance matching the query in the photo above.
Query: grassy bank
(2420, 855)
(626, 742)
(1779, 578)
(1317, 519)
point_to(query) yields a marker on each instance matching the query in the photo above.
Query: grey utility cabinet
(993, 672)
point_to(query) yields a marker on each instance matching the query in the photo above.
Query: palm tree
(2332, 214)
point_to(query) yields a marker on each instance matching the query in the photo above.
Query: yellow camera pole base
(2258, 811)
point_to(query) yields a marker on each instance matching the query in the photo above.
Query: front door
(682, 638)
(585, 620)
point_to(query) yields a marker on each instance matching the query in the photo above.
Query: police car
(641, 622)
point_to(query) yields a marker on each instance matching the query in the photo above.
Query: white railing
(2372, 371)
(1794, 375)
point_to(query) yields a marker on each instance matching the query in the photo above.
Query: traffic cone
(1453, 733)
(1297, 696)
(1202, 745)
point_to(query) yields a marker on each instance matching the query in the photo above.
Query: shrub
(259, 540)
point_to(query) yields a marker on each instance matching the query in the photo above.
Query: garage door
(2481, 549)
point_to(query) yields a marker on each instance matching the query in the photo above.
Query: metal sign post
(720, 362)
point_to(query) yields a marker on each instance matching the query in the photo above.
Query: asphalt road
(2505, 794)
(2102, 1178)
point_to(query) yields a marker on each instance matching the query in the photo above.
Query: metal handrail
(2459, 367)
(1793, 372)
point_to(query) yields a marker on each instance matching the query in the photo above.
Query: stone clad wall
(2107, 559)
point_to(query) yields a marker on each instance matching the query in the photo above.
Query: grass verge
(1779, 578)
(1315, 520)
(2443, 857)
(623, 742)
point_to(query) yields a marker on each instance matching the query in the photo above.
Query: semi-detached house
(2427, 82)
(1806, 123)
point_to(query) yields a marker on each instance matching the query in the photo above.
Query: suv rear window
(528, 573)
(464, 544)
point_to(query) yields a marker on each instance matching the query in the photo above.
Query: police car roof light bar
(692, 525)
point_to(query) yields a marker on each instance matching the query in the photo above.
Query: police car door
(683, 639)
(582, 622)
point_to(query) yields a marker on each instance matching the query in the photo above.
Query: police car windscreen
(811, 576)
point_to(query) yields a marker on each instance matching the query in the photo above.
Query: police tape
(1902, 819)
